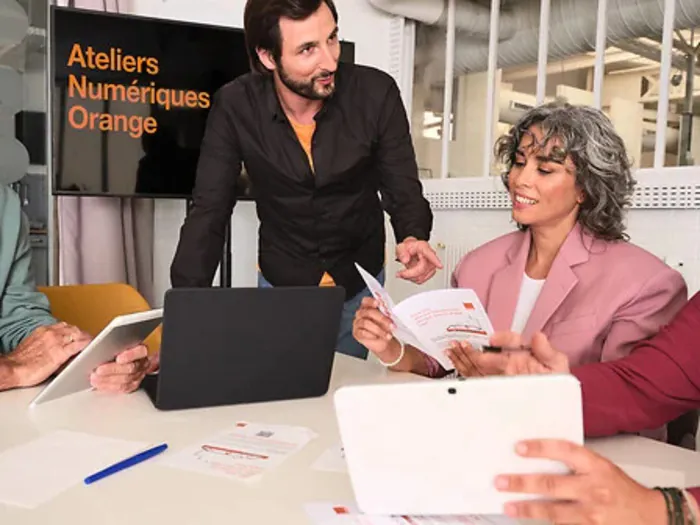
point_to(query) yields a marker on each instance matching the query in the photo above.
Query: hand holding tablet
(122, 333)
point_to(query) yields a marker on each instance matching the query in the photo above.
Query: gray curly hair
(603, 170)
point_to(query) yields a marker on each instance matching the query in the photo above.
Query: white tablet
(436, 447)
(122, 332)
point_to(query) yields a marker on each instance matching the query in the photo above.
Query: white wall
(368, 28)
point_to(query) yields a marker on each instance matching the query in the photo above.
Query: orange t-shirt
(305, 133)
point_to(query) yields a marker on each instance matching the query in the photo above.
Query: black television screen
(130, 99)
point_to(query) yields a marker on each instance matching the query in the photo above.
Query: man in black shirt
(319, 140)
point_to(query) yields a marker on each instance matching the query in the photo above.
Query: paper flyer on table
(33, 473)
(332, 460)
(431, 320)
(328, 513)
(244, 451)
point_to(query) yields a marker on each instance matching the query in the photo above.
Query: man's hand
(44, 351)
(419, 259)
(126, 372)
(594, 491)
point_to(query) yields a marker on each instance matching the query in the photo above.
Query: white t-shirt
(529, 292)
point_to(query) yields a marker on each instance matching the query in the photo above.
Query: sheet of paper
(332, 460)
(443, 316)
(244, 451)
(652, 477)
(328, 513)
(36, 472)
(387, 306)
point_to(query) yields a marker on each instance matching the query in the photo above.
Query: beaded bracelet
(675, 508)
(669, 505)
(692, 515)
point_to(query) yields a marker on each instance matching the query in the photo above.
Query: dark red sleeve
(695, 492)
(657, 382)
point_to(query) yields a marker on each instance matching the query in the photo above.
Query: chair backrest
(683, 430)
(91, 307)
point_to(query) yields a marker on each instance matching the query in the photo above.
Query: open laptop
(224, 346)
(436, 447)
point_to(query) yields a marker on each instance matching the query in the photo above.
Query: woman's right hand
(374, 330)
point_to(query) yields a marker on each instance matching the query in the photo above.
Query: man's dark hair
(261, 22)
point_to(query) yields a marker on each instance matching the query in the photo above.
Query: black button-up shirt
(311, 220)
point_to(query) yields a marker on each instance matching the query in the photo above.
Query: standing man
(319, 139)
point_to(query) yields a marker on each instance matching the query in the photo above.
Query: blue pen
(126, 463)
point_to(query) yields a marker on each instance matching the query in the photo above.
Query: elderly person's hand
(44, 352)
(127, 371)
(514, 358)
(595, 492)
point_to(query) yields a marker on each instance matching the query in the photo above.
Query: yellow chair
(91, 307)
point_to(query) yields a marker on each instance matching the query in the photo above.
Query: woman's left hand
(596, 492)
(539, 358)
(473, 363)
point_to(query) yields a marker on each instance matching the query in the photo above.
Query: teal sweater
(22, 307)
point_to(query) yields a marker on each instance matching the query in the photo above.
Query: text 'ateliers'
(80, 86)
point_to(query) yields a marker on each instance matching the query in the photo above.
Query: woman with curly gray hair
(569, 271)
(583, 141)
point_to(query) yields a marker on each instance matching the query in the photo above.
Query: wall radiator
(450, 254)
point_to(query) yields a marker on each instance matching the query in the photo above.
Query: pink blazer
(599, 297)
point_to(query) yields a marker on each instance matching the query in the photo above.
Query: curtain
(105, 239)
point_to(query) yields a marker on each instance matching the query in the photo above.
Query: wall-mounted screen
(130, 100)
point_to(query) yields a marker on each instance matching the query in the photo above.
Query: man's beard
(307, 89)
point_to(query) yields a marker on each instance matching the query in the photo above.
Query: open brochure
(431, 320)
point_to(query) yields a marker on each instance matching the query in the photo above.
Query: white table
(152, 493)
